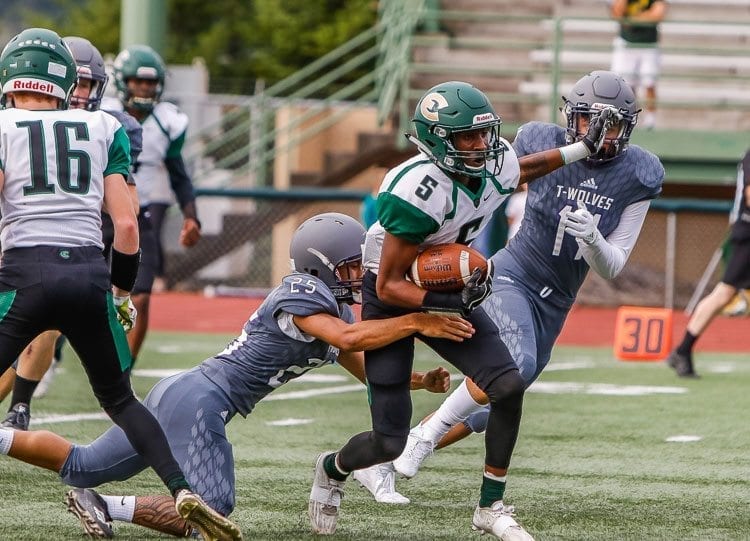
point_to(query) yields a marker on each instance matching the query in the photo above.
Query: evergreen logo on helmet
(37, 60)
(588, 96)
(89, 65)
(323, 246)
(449, 108)
(139, 62)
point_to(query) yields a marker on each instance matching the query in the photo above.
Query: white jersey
(163, 137)
(54, 164)
(420, 203)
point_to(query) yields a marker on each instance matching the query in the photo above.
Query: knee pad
(387, 447)
(509, 385)
(477, 421)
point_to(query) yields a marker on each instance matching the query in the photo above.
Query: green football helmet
(37, 60)
(453, 107)
(139, 62)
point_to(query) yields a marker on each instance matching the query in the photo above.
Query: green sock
(176, 483)
(329, 465)
(492, 491)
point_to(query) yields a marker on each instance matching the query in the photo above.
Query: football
(446, 267)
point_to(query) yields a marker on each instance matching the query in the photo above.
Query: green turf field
(592, 462)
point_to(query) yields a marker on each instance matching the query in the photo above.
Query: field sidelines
(585, 326)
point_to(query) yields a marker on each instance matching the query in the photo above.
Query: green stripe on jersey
(403, 172)
(403, 220)
(118, 159)
(175, 147)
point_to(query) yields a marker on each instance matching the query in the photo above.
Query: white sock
(455, 409)
(120, 507)
(6, 439)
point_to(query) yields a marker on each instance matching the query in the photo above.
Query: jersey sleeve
(404, 220)
(535, 137)
(650, 172)
(174, 123)
(118, 155)
(305, 295)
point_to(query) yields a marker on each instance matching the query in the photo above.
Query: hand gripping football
(446, 267)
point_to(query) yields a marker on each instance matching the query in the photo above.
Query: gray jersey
(271, 350)
(54, 163)
(135, 136)
(551, 258)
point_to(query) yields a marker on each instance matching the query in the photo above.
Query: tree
(240, 41)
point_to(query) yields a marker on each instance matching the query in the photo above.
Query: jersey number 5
(64, 155)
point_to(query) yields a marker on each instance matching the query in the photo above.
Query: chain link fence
(246, 237)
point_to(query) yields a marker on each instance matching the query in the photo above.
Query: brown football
(446, 267)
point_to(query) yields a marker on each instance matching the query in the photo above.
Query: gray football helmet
(324, 244)
(89, 65)
(589, 95)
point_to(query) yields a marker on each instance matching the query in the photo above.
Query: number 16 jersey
(54, 163)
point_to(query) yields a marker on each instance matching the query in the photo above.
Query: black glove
(598, 126)
(463, 303)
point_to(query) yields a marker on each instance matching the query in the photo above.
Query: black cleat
(91, 510)
(682, 364)
(18, 417)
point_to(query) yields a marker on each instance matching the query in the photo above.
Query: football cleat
(416, 451)
(325, 499)
(380, 480)
(212, 525)
(498, 520)
(682, 364)
(18, 417)
(92, 511)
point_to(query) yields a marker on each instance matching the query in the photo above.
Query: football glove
(580, 224)
(465, 301)
(125, 311)
(598, 126)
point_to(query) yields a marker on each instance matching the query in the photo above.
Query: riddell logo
(35, 86)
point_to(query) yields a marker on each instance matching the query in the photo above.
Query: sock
(455, 409)
(120, 507)
(6, 439)
(493, 489)
(332, 468)
(177, 483)
(23, 389)
(686, 346)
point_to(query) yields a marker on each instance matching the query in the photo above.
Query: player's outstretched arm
(376, 333)
(542, 163)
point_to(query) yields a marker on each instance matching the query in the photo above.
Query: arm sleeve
(181, 185)
(607, 257)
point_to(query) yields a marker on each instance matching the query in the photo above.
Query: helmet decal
(431, 104)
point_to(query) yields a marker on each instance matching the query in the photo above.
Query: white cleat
(416, 451)
(325, 499)
(380, 480)
(498, 520)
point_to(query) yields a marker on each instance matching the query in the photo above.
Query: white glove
(125, 311)
(580, 224)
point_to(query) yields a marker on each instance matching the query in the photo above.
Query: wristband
(124, 269)
(443, 303)
(573, 153)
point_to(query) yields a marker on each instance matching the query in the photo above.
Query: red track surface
(586, 326)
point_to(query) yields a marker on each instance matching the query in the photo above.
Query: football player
(304, 323)
(446, 193)
(584, 216)
(52, 263)
(160, 172)
(35, 362)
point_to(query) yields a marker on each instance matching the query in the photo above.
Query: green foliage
(240, 41)
(587, 466)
